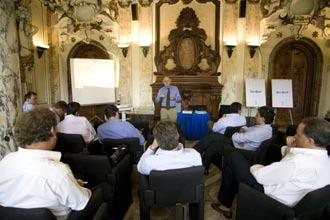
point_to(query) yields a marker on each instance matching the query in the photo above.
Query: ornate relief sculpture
(25, 28)
(126, 3)
(187, 49)
(299, 13)
(85, 14)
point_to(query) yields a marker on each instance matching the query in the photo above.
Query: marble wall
(10, 100)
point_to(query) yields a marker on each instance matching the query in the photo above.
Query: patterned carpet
(212, 184)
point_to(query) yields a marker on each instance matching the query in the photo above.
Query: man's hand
(162, 95)
(81, 182)
(291, 141)
(154, 145)
(172, 97)
(242, 130)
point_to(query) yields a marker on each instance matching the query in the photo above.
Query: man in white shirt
(59, 108)
(30, 101)
(233, 119)
(166, 152)
(208, 146)
(303, 168)
(75, 124)
(34, 177)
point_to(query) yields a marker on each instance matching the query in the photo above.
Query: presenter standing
(168, 96)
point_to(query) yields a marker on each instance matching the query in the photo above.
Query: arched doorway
(301, 61)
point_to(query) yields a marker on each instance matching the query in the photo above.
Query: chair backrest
(169, 187)
(70, 143)
(92, 168)
(10, 213)
(313, 200)
(262, 152)
(231, 130)
(132, 145)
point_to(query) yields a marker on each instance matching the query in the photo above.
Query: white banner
(282, 93)
(255, 92)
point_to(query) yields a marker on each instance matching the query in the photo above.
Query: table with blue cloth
(193, 126)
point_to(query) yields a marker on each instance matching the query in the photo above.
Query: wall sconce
(145, 50)
(40, 50)
(230, 49)
(252, 50)
(124, 49)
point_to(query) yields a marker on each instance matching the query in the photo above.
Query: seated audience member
(75, 124)
(34, 177)
(30, 101)
(59, 108)
(248, 138)
(166, 152)
(234, 119)
(251, 138)
(303, 168)
(114, 128)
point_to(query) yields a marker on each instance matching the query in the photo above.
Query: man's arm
(71, 194)
(219, 125)
(159, 96)
(177, 95)
(274, 173)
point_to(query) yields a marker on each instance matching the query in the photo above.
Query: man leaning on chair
(34, 177)
(303, 168)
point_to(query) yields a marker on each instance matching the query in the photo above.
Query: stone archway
(299, 60)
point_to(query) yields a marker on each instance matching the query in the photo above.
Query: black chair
(313, 205)
(96, 169)
(260, 155)
(173, 187)
(135, 150)
(10, 213)
(70, 143)
(231, 130)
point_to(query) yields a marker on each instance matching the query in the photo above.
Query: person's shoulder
(57, 169)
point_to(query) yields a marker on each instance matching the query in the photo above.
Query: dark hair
(267, 113)
(166, 134)
(317, 129)
(235, 107)
(61, 104)
(29, 95)
(34, 126)
(73, 108)
(110, 111)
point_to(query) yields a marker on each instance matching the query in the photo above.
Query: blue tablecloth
(193, 126)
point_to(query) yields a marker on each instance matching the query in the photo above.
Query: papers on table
(201, 112)
(187, 112)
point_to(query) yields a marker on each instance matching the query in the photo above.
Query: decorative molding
(127, 3)
(253, 1)
(85, 14)
(187, 48)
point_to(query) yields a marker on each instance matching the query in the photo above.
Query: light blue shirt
(27, 106)
(174, 91)
(230, 120)
(117, 129)
(252, 137)
(168, 159)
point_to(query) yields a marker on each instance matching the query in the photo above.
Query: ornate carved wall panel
(189, 60)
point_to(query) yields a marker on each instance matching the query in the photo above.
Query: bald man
(168, 96)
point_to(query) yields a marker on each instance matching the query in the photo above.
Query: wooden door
(297, 60)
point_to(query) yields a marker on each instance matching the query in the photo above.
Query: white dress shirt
(168, 159)
(229, 120)
(299, 172)
(252, 137)
(77, 125)
(36, 178)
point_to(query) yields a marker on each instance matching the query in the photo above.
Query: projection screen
(93, 81)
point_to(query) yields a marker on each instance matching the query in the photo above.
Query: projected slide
(93, 81)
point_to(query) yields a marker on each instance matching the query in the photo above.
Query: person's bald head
(167, 81)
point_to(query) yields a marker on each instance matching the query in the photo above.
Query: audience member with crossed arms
(303, 168)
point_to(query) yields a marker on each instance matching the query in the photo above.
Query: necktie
(168, 99)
